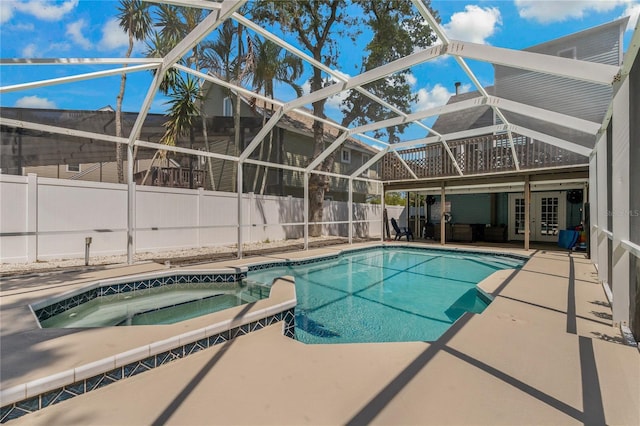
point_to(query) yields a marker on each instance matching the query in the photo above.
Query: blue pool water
(386, 295)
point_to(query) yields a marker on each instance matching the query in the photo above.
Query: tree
(314, 23)
(229, 59)
(183, 108)
(135, 19)
(271, 66)
(396, 29)
(397, 32)
(175, 23)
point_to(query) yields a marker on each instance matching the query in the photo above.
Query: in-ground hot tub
(163, 298)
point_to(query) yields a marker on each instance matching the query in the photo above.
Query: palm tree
(219, 58)
(135, 19)
(271, 67)
(183, 108)
(175, 23)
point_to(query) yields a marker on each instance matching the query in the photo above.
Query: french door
(547, 218)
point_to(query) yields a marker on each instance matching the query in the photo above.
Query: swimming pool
(387, 294)
(378, 294)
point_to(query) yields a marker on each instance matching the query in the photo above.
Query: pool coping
(43, 392)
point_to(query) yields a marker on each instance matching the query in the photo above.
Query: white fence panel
(14, 219)
(43, 218)
(166, 218)
(219, 209)
(70, 211)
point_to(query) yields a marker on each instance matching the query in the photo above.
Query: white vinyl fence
(43, 218)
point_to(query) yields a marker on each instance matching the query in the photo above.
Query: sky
(88, 29)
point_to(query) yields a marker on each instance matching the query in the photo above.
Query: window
(73, 168)
(227, 107)
(365, 160)
(346, 156)
(568, 53)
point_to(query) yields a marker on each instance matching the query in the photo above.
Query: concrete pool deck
(544, 352)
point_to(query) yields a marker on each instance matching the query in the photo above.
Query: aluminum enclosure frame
(228, 9)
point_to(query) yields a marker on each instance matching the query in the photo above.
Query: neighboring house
(292, 144)
(59, 156)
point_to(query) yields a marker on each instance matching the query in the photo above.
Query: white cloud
(74, 30)
(633, 11)
(437, 96)
(411, 79)
(35, 102)
(334, 101)
(46, 10)
(29, 51)
(475, 24)
(546, 11)
(23, 26)
(59, 47)
(113, 36)
(6, 11)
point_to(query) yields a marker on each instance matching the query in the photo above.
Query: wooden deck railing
(480, 155)
(172, 177)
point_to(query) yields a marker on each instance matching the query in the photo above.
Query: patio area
(544, 352)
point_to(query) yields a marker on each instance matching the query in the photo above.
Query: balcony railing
(480, 155)
(172, 177)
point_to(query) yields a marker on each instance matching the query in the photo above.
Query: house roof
(474, 118)
(303, 124)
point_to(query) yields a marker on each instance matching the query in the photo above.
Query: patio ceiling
(578, 70)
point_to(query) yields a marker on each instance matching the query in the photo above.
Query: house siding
(581, 99)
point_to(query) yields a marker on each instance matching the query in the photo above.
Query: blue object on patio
(401, 232)
(568, 238)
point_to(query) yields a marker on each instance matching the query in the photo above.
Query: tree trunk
(236, 142)
(119, 150)
(146, 175)
(317, 183)
(266, 169)
(255, 178)
(205, 135)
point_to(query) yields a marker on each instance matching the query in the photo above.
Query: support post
(32, 217)
(602, 240)
(527, 213)
(593, 209)
(131, 206)
(443, 209)
(240, 210)
(306, 210)
(350, 208)
(620, 210)
(199, 216)
(252, 200)
(384, 216)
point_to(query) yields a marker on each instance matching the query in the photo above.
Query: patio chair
(401, 232)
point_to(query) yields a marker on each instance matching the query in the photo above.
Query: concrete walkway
(544, 352)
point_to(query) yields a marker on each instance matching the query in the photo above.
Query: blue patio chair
(401, 232)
